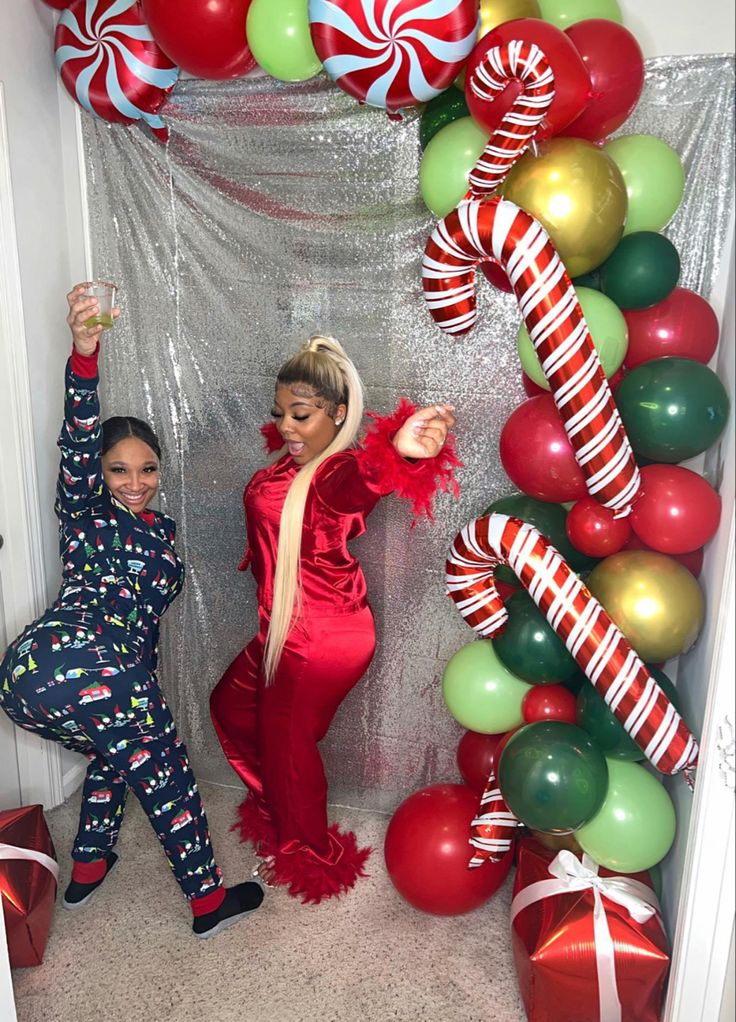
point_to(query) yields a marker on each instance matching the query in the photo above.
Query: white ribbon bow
(570, 874)
(16, 852)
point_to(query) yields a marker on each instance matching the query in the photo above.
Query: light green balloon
(280, 40)
(635, 827)
(447, 162)
(564, 13)
(654, 178)
(607, 328)
(480, 692)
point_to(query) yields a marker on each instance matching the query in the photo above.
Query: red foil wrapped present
(28, 876)
(589, 944)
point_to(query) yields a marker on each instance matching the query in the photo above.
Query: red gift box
(589, 944)
(28, 876)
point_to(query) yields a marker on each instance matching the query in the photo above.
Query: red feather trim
(255, 826)
(306, 875)
(416, 481)
(312, 878)
(273, 439)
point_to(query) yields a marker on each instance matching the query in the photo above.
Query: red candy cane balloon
(497, 228)
(525, 63)
(590, 635)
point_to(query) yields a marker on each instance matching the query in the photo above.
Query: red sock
(89, 872)
(208, 902)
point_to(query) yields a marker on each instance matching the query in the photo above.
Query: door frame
(24, 579)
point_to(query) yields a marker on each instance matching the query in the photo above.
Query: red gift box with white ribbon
(589, 944)
(28, 879)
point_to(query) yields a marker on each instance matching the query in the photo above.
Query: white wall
(49, 227)
(665, 27)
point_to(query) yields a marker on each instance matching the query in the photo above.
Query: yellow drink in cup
(104, 293)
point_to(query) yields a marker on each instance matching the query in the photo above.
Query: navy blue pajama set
(83, 674)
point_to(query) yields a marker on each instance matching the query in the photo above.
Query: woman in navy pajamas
(83, 674)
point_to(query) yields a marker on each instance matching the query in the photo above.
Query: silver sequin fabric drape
(280, 211)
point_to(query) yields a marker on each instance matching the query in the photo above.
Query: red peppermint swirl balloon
(110, 64)
(393, 53)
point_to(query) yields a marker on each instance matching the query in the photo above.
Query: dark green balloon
(591, 279)
(673, 408)
(655, 875)
(449, 106)
(550, 520)
(603, 726)
(529, 647)
(553, 776)
(641, 271)
(575, 682)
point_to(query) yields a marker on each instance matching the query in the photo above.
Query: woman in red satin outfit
(275, 702)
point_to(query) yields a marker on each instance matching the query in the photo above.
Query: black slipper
(238, 903)
(78, 895)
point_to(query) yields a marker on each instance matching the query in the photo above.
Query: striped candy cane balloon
(579, 620)
(110, 64)
(515, 61)
(493, 829)
(547, 300)
(393, 53)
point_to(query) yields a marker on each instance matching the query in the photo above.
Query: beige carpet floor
(369, 957)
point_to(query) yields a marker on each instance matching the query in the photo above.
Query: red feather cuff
(273, 441)
(415, 481)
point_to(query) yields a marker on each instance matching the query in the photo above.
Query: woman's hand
(81, 309)
(424, 433)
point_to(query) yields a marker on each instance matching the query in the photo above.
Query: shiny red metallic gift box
(569, 970)
(28, 888)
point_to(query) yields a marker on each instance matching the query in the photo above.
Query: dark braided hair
(118, 427)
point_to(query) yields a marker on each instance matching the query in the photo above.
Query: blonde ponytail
(324, 366)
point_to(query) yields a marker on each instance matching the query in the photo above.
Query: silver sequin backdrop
(280, 211)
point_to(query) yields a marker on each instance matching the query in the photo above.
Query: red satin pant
(270, 733)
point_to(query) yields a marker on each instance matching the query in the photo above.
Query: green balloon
(672, 408)
(530, 647)
(635, 827)
(655, 180)
(449, 106)
(607, 328)
(481, 694)
(641, 271)
(447, 162)
(550, 520)
(280, 39)
(553, 777)
(655, 875)
(564, 13)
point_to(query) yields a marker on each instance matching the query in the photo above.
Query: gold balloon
(556, 842)
(656, 603)
(579, 195)
(495, 12)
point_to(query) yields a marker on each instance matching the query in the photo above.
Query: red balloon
(572, 82)
(204, 37)
(615, 63)
(593, 530)
(496, 275)
(676, 511)
(531, 389)
(693, 561)
(503, 742)
(549, 702)
(505, 589)
(475, 758)
(537, 455)
(427, 852)
(682, 326)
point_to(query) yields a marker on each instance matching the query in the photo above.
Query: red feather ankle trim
(312, 877)
(255, 826)
(417, 481)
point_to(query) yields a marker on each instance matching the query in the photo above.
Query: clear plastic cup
(104, 292)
